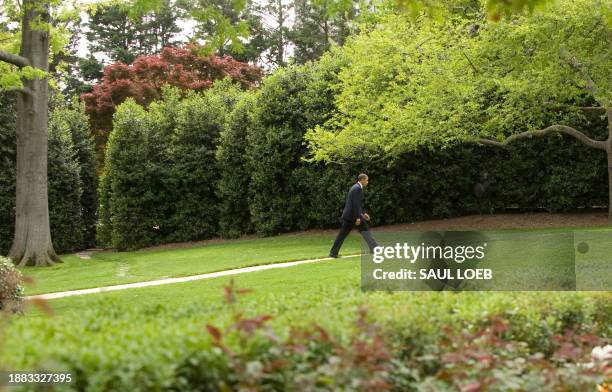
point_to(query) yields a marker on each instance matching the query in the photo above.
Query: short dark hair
(362, 176)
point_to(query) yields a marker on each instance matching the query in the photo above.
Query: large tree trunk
(32, 242)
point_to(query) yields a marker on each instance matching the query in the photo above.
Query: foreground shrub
(11, 291)
(350, 342)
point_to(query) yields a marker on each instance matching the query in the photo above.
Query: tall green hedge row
(71, 174)
(7, 170)
(160, 176)
(227, 162)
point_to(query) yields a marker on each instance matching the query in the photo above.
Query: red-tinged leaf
(452, 358)
(28, 280)
(322, 333)
(253, 324)
(278, 364)
(244, 291)
(568, 352)
(43, 305)
(214, 332)
(143, 80)
(591, 340)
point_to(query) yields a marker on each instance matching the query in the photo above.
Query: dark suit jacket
(354, 202)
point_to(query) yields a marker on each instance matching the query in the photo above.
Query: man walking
(352, 216)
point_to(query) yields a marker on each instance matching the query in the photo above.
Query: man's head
(363, 179)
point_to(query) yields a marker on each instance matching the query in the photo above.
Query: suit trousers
(346, 228)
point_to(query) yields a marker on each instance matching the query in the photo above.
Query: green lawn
(110, 268)
(341, 274)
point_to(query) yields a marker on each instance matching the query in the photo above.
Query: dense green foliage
(260, 182)
(435, 83)
(234, 182)
(71, 174)
(194, 170)
(161, 166)
(7, 170)
(130, 170)
(322, 332)
(112, 31)
(288, 103)
(65, 186)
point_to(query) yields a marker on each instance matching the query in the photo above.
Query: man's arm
(358, 204)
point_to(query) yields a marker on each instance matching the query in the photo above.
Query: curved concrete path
(235, 271)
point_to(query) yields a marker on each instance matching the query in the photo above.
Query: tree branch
(21, 90)
(555, 106)
(590, 84)
(14, 59)
(601, 145)
(25, 90)
(470, 61)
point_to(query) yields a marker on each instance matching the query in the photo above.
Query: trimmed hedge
(228, 163)
(234, 178)
(193, 171)
(8, 119)
(160, 177)
(71, 175)
(553, 174)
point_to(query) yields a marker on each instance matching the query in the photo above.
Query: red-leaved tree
(142, 80)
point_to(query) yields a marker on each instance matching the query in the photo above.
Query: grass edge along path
(189, 278)
(119, 268)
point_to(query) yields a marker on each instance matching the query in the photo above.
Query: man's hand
(366, 216)
(358, 222)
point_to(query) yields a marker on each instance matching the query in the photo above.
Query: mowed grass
(326, 293)
(111, 268)
(303, 280)
(522, 253)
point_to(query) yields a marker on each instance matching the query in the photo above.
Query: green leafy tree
(276, 15)
(114, 32)
(319, 24)
(249, 41)
(441, 83)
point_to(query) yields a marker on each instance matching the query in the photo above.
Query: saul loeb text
(433, 258)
